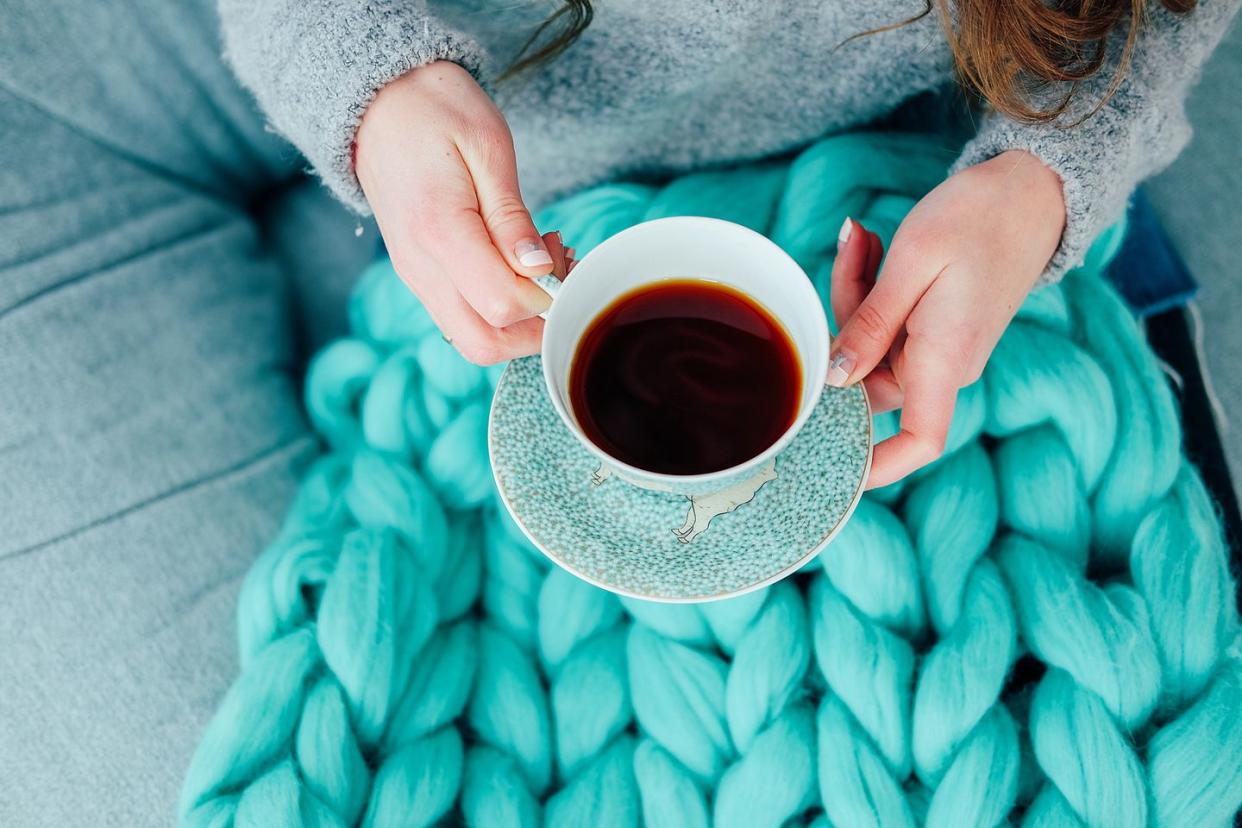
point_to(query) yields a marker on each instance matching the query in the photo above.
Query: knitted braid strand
(1038, 628)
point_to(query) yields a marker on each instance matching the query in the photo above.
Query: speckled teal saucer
(666, 547)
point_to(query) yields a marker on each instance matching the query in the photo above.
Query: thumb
(865, 338)
(505, 215)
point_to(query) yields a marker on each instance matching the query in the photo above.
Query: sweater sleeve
(315, 66)
(1102, 157)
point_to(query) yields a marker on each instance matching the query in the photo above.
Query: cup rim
(682, 481)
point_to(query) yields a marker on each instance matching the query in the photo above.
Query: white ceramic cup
(685, 247)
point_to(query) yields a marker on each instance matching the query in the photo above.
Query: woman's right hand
(435, 160)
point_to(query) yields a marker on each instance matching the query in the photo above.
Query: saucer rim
(697, 599)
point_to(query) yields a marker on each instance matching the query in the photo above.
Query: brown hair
(1003, 50)
(565, 25)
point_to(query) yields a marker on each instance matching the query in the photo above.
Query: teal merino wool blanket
(1038, 628)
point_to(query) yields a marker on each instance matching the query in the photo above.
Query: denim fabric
(1148, 272)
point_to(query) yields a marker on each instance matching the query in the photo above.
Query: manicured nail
(846, 230)
(532, 254)
(839, 369)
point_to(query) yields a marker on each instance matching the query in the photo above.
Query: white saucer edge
(698, 599)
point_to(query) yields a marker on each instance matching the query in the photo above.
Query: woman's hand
(435, 159)
(958, 268)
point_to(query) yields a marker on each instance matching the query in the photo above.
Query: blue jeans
(163, 265)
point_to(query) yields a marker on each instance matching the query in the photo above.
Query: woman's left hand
(958, 268)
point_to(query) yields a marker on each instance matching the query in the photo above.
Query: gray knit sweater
(656, 87)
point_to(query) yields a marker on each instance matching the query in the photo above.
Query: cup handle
(551, 286)
(561, 265)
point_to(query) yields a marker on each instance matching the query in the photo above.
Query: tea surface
(685, 376)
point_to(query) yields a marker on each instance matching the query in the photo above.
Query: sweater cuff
(1101, 156)
(316, 65)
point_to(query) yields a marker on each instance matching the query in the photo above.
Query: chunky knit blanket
(1039, 628)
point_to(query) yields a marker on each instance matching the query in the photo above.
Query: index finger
(930, 385)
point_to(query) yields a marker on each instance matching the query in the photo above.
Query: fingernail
(847, 228)
(532, 254)
(839, 369)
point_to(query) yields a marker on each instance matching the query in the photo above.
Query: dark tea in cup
(685, 376)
